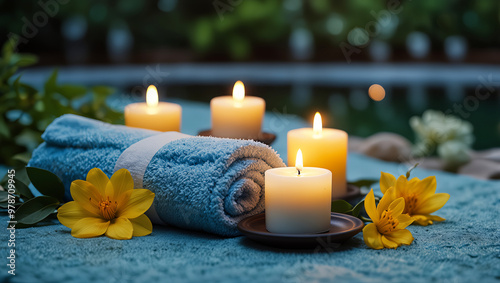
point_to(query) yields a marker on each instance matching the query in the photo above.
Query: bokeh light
(376, 92)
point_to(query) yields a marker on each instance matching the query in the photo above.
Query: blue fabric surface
(201, 183)
(464, 248)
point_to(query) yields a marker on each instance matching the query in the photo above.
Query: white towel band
(137, 157)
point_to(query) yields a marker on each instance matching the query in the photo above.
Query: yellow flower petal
(370, 207)
(86, 195)
(400, 237)
(412, 186)
(426, 187)
(432, 203)
(89, 227)
(110, 191)
(142, 226)
(422, 220)
(97, 178)
(404, 220)
(372, 237)
(386, 181)
(120, 229)
(71, 212)
(425, 220)
(436, 218)
(122, 181)
(139, 202)
(386, 200)
(389, 243)
(397, 206)
(401, 186)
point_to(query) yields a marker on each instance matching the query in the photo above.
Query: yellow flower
(388, 227)
(420, 196)
(107, 206)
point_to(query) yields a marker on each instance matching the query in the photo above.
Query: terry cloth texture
(201, 183)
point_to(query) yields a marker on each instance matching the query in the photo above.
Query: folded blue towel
(201, 183)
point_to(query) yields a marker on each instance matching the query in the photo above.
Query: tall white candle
(238, 116)
(298, 199)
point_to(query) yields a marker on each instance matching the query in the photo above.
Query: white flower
(454, 153)
(435, 128)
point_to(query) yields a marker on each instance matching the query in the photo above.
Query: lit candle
(154, 115)
(324, 148)
(298, 199)
(238, 116)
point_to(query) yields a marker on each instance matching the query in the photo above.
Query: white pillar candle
(238, 116)
(298, 199)
(324, 148)
(154, 115)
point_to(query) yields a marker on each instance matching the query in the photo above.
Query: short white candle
(154, 115)
(238, 116)
(298, 203)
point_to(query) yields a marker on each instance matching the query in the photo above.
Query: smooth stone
(386, 146)
(492, 154)
(481, 169)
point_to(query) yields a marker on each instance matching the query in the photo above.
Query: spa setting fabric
(201, 183)
(464, 248)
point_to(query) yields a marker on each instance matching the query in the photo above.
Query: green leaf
(25, 60)
(46, 182)
(9, 45)
(364, 182)
(4, 196)
(36, 209)
(28, 138)
(341, 206)
(51, 84)
(5, 204)
(16, 84)
(22, 176)
(103, 90)
(29, 89)
(72, 91)
(22, 157)
(4, 129)
(23, 190)
(5, 177)
(357, 209)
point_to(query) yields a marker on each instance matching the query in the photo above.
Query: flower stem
(365, 219)
(409, 170)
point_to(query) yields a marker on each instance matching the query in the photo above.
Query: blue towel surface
(201, 183)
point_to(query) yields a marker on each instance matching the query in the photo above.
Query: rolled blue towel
(201, 183)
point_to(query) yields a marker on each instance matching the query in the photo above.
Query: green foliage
(36, 210)
(342, 206)
(31, 210)
(46, 182)
(25, 112)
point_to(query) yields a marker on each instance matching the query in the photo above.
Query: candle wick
(298, 172)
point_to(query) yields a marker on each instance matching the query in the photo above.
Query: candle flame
(238, 91)
(317, 125)
(299, 163)
(152, 96)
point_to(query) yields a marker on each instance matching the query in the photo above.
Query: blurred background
(301, 56)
